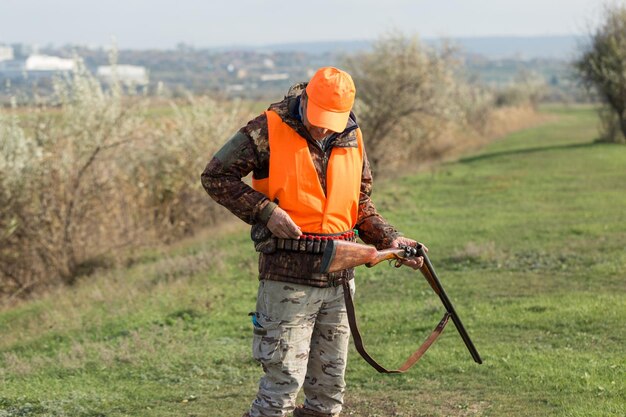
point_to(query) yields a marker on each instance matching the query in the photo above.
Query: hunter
(311, 181)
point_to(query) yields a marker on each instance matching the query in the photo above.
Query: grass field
(528, 237)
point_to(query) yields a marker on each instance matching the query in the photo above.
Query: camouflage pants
(302, 342)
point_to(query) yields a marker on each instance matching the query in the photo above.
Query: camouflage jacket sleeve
(372, 227)
(247, 151)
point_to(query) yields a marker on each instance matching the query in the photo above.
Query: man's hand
(281, 225)
(415, 263)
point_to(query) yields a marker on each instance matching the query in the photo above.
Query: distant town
(259, 72)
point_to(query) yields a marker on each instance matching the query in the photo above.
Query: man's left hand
(415, 263)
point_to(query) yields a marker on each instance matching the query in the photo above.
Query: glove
(415, 263)
(281, 225)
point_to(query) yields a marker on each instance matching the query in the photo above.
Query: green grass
(528, 237)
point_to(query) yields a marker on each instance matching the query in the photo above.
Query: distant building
(6, 53)
(12, 68)
(275, 77)
(126, 74)
(47, 63)
(34, 67)
(235, 88)
(23, 51)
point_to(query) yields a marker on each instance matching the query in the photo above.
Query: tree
(602, 68)
(405, 96)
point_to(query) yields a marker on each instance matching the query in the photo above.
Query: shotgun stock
(340, 255)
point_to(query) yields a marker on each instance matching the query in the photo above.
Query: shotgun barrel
(340, 255)
(429, 273)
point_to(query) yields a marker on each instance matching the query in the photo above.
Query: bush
(409, 96)
(56, 181)
(89, 172)
(527, 89)
(168, 186)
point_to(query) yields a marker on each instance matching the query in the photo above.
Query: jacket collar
(288, 110)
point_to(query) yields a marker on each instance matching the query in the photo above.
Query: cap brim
(321, 117)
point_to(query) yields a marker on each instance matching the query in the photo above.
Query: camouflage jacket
(248, 151)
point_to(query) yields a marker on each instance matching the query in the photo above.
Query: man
(311, 182)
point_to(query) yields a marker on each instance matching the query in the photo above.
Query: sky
(206, 23)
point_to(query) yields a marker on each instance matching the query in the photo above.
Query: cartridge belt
(313, 242)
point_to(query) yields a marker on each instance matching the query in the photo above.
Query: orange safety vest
(293, 181)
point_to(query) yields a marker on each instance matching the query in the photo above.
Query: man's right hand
(281, 225)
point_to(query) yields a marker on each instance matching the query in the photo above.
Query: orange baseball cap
(330, 95)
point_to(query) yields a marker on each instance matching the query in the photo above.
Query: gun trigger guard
(398, 263)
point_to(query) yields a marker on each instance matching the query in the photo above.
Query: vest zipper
(326, 150)
(325, 168)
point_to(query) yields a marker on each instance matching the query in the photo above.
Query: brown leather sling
(428, 271)
(358, 340)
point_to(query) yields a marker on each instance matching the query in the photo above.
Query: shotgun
(340, 255)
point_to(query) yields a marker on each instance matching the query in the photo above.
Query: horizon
(248, 23)
(308, 42)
